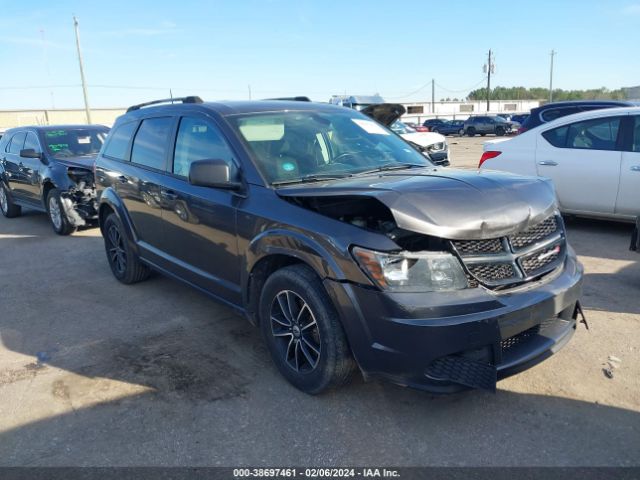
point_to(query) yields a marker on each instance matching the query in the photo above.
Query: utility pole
(84, 83)
(433, 95)
(489, 68)
(553, 53)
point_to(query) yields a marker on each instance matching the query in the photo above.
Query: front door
(583, 160)
(199, 223)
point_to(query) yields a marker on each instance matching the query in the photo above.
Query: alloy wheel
(55, 213)
(296, 331)
(115, 250)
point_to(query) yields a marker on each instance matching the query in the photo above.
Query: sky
(135, 51)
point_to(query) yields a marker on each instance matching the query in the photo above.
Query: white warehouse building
(418, 112)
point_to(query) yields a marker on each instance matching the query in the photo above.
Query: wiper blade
(314, 177)
(391, 166)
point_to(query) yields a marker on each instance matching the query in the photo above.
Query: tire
(7, 207)
(471, 132)
(124, 263)
(483, 134)
(461, 132)
(302, 331)
(435, 130)
(57, 216)
(500, 131)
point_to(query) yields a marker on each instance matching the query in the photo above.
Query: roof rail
(190, 99)
(292, 99)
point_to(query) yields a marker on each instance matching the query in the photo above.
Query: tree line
(522, 93)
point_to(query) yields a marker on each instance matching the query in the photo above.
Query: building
(420, 111)
(19, 118)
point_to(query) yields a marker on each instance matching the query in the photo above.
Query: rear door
(14, 166)
(583, 159)
(628, 202)
(199, 223)
(140, 179)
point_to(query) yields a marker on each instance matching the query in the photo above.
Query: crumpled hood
(85, 161)
(424, 139)
(448, 203)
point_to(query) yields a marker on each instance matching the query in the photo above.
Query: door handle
(635, 168)
(548, 163)
(169, 194)
(123, 179)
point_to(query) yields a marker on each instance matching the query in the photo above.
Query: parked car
(519, 118)
(450, 127)
(487, 124)
(346, 247)
(552, 111)
(433, 144)
(432, 123)
(416, 127)
(592, 157)
(51, 169)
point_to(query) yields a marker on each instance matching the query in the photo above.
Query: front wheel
(500, 131)
(303, 332)
(471, 132)
(124, 263)
(7, 207)
(57, 215)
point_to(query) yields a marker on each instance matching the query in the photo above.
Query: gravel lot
(93, 372)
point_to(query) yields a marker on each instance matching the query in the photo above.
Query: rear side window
(555, 113)
(119, 141)
(150, 144)
(197, 140)
(635, 145)
(596, 134)
(17, 142)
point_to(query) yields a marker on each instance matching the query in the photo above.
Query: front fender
(110, 199)
(294, 244)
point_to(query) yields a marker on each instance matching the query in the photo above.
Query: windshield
(401, 128)
(74, 142)
(297, 146)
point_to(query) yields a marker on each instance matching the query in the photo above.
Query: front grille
(540, 259)
(535, 233)
(518, 258)
(489, 272)
(493, 245)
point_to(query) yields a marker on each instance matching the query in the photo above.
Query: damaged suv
(51, 169)
(345, 245)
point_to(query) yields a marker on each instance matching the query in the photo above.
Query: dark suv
(550, 111)
(51, 169)
(344, 244)
(487, 124)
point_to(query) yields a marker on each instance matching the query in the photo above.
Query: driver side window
(198, 140)
(32, 142)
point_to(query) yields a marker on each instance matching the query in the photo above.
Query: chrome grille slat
(517, 258)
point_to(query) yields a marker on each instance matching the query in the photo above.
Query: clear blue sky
(304, 47)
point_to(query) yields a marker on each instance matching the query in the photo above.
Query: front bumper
(448, 341)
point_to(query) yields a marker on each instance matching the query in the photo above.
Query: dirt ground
(93, 372)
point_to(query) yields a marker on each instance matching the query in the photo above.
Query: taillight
(487, 155)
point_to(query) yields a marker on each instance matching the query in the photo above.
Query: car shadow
(612, 271)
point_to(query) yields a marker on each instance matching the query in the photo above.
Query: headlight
(412, 272)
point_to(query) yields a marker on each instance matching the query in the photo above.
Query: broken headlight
(412, 272)
(78, 175)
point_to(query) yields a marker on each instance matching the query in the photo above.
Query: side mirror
(30, 153)
(214, 173)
